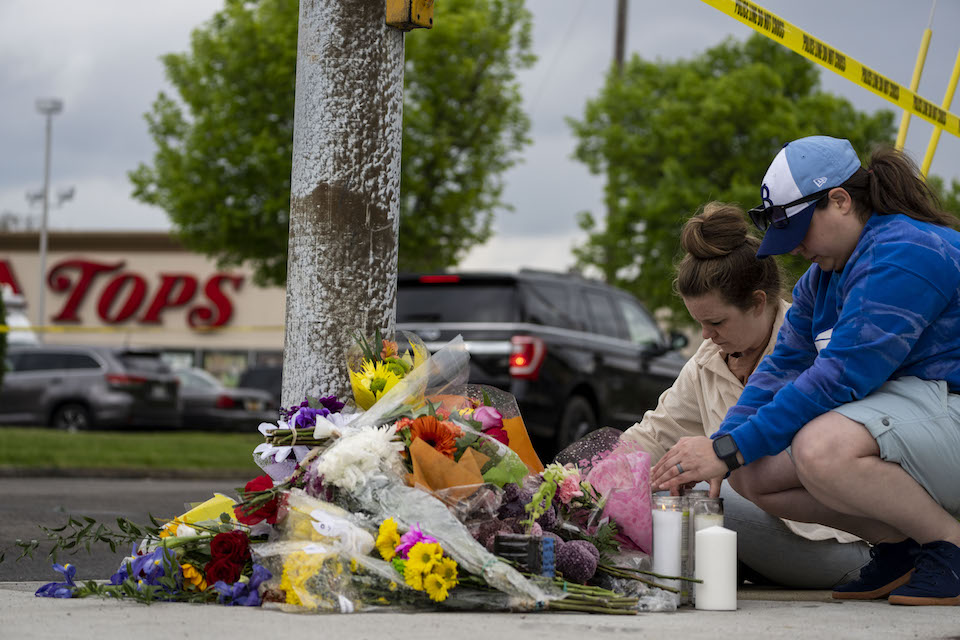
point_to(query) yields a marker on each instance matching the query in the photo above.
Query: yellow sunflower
(436, 587)
(387, 539)
(372, 381)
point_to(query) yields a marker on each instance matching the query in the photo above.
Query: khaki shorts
(916, 424)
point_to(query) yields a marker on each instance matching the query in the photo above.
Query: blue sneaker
(890, 566)
(937, 578)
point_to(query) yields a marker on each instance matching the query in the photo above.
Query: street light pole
(49, 107)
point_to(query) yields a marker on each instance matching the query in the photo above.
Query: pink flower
(488, 417)
(411, 538)
(569, 489)
(499, 434)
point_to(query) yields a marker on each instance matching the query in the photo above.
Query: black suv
(576, 353)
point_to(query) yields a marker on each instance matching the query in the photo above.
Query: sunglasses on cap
(776, 215)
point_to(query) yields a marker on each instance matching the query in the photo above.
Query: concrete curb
(128, 473)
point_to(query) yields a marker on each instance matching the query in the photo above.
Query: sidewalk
(25, 617)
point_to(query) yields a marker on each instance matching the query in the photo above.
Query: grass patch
(46, 448)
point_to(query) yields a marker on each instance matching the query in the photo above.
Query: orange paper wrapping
(436, 471)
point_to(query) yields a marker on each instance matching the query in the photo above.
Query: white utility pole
(49, 107)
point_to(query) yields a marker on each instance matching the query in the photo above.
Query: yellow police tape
(799, 41)
(135, 329)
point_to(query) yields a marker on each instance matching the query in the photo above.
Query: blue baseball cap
(803, 171)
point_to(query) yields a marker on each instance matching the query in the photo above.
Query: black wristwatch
(726, 449)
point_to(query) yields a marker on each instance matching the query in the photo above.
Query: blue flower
(146, 569)
(60, 589)
(244, 594)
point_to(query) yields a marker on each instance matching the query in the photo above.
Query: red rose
(231, 545)
(267, 511)
(222, 570)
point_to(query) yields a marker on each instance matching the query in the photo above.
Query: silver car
(79, 387)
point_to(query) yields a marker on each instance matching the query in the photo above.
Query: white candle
(667, 533)
(716, 565)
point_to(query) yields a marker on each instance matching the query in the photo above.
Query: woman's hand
(696, 459)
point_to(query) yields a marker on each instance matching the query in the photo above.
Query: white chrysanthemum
(357, 456)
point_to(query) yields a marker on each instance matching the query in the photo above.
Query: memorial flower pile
(400, 501)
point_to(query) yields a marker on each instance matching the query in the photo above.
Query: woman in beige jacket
(735, 297)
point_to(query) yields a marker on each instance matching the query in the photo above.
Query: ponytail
(894, 185)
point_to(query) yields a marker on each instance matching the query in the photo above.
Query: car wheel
(578, 420)
(72, 416)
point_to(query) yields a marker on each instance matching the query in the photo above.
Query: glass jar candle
(668, 536)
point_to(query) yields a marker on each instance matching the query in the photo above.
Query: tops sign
(123, 295)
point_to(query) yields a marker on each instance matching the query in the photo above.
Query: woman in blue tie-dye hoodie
(854, 420)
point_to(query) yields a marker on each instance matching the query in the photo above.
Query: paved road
(28, 502)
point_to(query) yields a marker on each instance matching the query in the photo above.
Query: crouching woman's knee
(818, 449)
(747, 483)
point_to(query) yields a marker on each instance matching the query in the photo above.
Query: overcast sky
(102, 58)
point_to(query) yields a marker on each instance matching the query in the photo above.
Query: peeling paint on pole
(345, 190)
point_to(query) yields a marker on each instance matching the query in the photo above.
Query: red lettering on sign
(134, 298)
(165, 298)
(123, 296)
(7, 277)
(202, 317)
(60, 282)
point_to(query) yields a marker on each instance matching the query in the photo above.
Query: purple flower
(330, 402)
(148, 568)
(307, 417)
(411, 538)
(243, 594)
(59, 589)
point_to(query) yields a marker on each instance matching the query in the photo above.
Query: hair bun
(717, 231)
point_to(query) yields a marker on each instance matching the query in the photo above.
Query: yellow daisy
(413, 576)
(425, 554)
(388, 539)
(447, 569)
(436, 587)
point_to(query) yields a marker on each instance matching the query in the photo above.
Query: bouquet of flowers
(377, 366)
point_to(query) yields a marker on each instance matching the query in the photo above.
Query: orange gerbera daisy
(435, 433)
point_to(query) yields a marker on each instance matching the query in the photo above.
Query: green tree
(670, 136)
(222, 164)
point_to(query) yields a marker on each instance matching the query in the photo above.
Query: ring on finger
(679, 468)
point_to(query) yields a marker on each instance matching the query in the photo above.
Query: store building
(145, 289)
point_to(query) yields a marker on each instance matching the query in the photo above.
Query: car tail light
(439, 279)
(124, 381)
(225, 402)
(526, 357)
